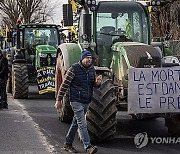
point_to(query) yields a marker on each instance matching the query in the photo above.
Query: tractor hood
(45, 49)
(133, 54)
(138, 53)
(45, 56)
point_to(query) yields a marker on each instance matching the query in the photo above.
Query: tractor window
(104, 19)
(136, 27)
(41, 36)
(140, 28)
(128, 22)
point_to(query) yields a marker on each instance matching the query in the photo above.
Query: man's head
(86, 58)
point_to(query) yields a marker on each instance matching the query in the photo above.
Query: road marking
(50, 148)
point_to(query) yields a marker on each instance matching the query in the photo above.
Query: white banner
(154, 90)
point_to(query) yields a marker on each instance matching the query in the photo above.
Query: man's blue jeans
(80, 110)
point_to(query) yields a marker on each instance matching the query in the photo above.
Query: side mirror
(62, 38)
(87, 26)
(67, 15)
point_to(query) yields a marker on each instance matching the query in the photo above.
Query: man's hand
(58, 104)
(98, 79)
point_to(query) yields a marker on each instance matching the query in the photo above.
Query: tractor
(32, 57)
(118, 33)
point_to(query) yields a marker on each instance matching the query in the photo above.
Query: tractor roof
(40, 26)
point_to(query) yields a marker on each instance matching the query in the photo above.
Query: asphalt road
(41, 131)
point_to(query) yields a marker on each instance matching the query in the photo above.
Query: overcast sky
(56, 18)
(58, 11)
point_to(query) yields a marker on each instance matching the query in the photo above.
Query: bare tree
(165, 21)
(31, 11)
(9, 12)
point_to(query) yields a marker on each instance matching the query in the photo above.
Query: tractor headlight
(42, 55)
(91, 4)
(156, 3)
(53, 55)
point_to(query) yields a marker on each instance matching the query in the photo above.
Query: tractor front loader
(118, 33)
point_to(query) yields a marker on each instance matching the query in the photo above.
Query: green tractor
(32, 57)
(119, 35)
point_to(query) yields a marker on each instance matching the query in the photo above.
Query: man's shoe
(91, 150)
(69, 148)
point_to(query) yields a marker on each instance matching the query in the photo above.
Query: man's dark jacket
(81, 88)
(3, 68)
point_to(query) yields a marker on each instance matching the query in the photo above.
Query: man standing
(80, 79)
(3, 80)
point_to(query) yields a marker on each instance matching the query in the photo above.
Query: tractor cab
(119, 22)
(40, 43)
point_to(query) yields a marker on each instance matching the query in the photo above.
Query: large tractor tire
(20, 82)
(101, 117)
(9, 81)
(65, 114)
(173, 125)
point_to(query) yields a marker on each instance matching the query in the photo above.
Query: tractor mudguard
(71, 53)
